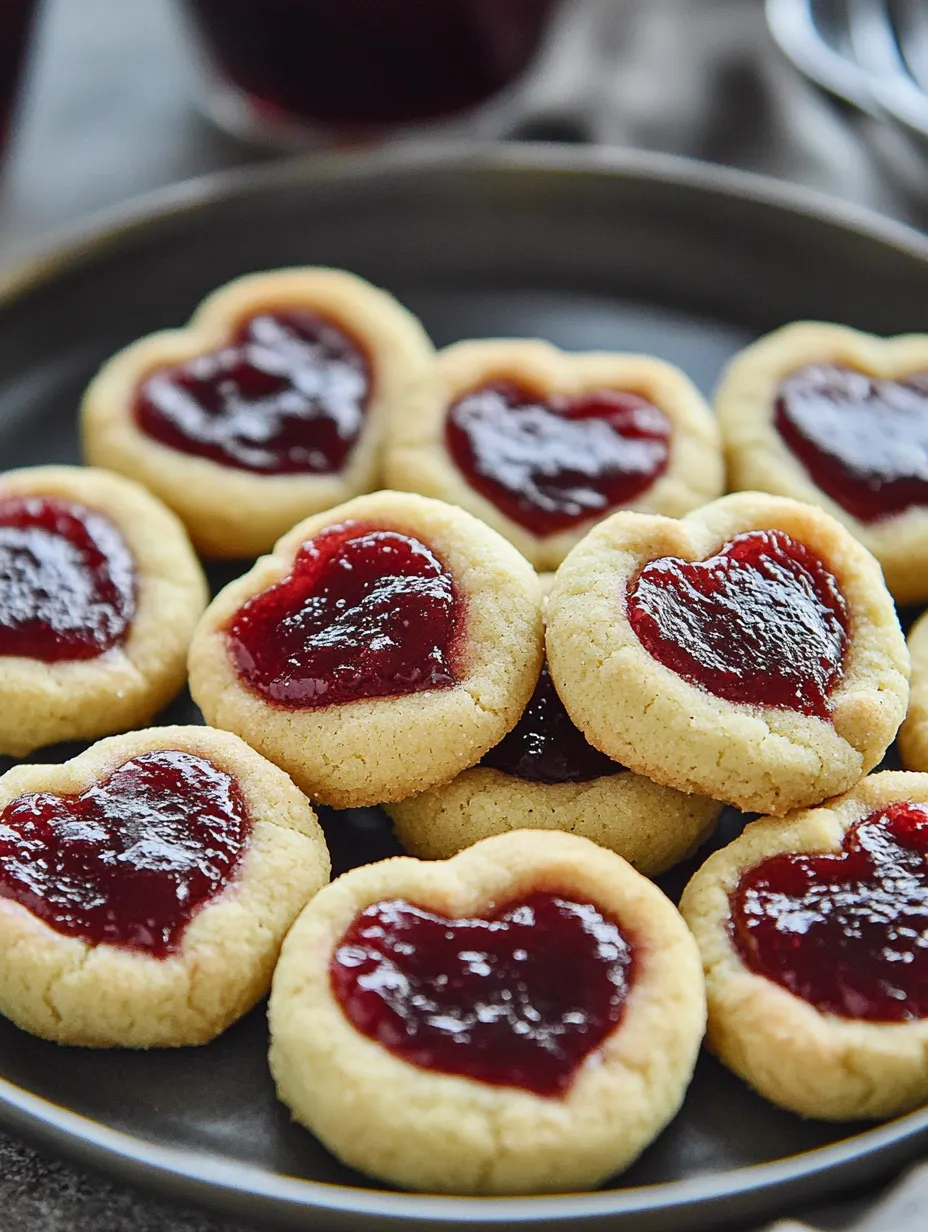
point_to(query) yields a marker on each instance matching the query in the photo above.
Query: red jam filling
(545, 747)
(67, 580)
(364, 613)
(130, 861)
(287, 396)
(846, 932)
(551, 462)
(762, 623)
(519, 998)
(863, 441)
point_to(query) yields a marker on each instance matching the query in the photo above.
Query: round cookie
(540, 444)
(146, 887)
(269, 406)
(544, 775)
(913, 734)
(838, 418)
(99, 595)
(381, 649)
(748, 652)
(459, 1089)
(810, 930)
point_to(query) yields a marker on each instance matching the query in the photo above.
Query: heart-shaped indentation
(364, 613)
(131, 860)
(863, 440)
(763, 622)
(287, 396)
(846, 932)
(550, 462)
(517, 998)
(67, 580)
(545, 746)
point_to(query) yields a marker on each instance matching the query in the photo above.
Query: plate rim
(217, 1181)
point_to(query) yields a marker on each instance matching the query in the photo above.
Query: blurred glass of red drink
(16, 18)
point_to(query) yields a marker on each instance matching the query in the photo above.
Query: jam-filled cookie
(146, 887)
(524, 1017)
(540, 444)
(99, 595)
(545, 775)
(913, 735)
(382, 648)
(838, 418)
(812, 933)
(749, 652)
(269, 406)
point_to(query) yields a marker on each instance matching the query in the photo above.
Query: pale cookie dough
(425, 1129)
(913, 735)
(646, 716)
(417, 458)
(237, 513)
(813, 1063)
(758, 457)
(371, 751)
(62, 988)
(42, 703)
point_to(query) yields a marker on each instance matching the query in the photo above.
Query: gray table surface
(108, 113)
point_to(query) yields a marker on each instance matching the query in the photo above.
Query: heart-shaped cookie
(749, 652)
(540, 444)
(269, 406)
(826, 414)
(524, 1016)
(382, 648)
(812, 937)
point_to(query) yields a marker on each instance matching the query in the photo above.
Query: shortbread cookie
(812, 937)
(269, 406)
(146, 887)
(838, 418)
(382, 648)
(545, 775)
(540, 444)
(749, 652)
(522, 1018)
(99, 595)
(913, 735)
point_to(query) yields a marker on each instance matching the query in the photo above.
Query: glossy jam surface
(550, 462)
(287, 396)
(130, 861)
(545, 747)
(519, 998)
(67, 580)
(364, 613)
(863, 441)
(846, 932)
(763, 622)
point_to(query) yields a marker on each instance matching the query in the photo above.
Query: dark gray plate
(586, 249)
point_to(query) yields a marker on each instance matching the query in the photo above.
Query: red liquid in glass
(130, 861)
(549, 463)
(364, 613)
(545, 747)
(287, 396)
(369, 62)
(845, 932)
(67, 580)
(519, 998)
(863, 441)
(16, 18)
(763, 622)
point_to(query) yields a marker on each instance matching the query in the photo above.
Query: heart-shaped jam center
(863, 441)
(550, 462)
(545, 747)
(519, 998)
(67, 580)
(286, 396)
(364, 613)
(846, 932)
(763, 622)
(130, 861)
